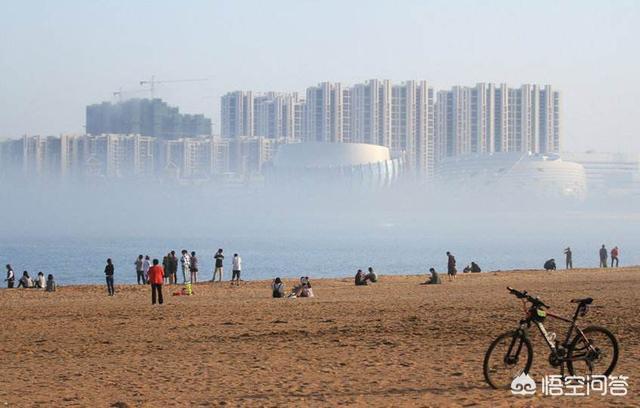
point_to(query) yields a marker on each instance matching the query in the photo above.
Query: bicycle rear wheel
(510, 355)
(594, 354)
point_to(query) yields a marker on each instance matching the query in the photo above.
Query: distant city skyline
(59, 57)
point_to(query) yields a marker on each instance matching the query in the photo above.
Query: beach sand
(394, 343)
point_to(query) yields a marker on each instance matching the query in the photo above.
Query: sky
(57, 57)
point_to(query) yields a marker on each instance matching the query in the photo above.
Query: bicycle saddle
(585, 301)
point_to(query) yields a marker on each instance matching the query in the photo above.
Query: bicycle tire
(487, 357)
(586, 331)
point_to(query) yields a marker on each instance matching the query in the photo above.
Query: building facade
(486, 119)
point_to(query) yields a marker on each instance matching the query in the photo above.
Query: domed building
(541, 175)
(339, 164)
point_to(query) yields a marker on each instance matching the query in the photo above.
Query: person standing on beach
(218, 266)
(173, 268)
(165, 267)
(108, 271)
(194, 267)
(146, 264)
(185, 262)
(614, 256)
(139, 269)
(11, 277)
(451, 266)
(236, 269)
(568, 258)
(603, 257)
(156, 278)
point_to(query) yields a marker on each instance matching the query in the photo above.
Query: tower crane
(153, 82)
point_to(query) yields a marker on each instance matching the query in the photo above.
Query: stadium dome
(514, 173)
(356, 164)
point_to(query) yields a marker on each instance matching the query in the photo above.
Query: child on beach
(277, 288)
(360, 279)
(51, 284)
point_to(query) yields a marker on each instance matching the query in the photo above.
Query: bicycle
(594, 347)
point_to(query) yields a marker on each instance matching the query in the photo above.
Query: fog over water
(302, 230)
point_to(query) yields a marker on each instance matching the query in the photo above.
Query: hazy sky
(58, 56)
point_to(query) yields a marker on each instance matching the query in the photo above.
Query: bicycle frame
(525, 324)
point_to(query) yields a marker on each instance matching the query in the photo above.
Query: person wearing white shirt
(146, 264)
(185, 262)
(237, 267)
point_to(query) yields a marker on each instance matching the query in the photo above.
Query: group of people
(155, 274)
(27, 282)
(302, 289)
(550, 264)
(363, 279)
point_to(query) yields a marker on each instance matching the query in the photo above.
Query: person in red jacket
(156, 278)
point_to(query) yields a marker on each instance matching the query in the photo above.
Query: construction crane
(152, 83)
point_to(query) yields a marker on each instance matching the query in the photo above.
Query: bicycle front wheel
(595, 353)
(510, 355)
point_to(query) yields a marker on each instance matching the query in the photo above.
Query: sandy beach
(393, 343)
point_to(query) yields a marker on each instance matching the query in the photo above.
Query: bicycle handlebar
(524, 295)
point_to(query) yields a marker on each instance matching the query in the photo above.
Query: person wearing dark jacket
(451, 266)
(603, 256)
(475, 268)
(550, 265)
(11, 277)
(108, 272)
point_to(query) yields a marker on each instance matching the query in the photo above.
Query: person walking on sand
(236, 269)
(194, 267)
(156, 278)
(185, 262)
(451, 266)
(146, 264)
(603, 257)
(11, 277)
(108, 272)
(173, 268)
(614, 256)
(139, 269)
(568, 258)
(219, 257)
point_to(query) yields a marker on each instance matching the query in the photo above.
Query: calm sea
(265, 254)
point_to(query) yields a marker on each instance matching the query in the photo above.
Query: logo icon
(523, 385)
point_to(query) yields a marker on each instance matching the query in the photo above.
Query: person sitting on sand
(550, 265)
(51, 284)
(40, 282)
(371, 276)
(277, 288)
(434, 278)
(25, 281)
(360, 279)
(467, 269)
(475, 268)
(303, 289)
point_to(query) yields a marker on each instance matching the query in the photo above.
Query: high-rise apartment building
(146, 117)
(237, 114)
(323, 119)
(275, 115)
(412, 125)
(487, 119)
